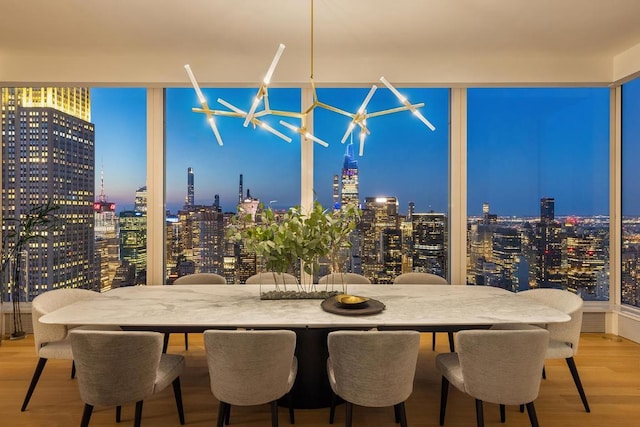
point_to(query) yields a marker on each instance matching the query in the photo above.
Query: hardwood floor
(608, 366)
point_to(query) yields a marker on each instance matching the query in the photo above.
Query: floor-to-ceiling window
(630, 278)
(398, 176)
(538, 189)
(83, 149)
(207, 182)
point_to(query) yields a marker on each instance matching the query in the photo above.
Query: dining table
(196, 308)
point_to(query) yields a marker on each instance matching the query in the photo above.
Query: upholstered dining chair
(500, 366)
(52, 341)
(116, 368)
(270, 278)
(564, 337)
(194, 279)
(344, 278)
(420, 278)
(373, 369)
(249, 367)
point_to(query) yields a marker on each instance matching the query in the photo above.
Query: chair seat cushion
(449, 365)
(558, 350)
(171, 366)
(57, 350)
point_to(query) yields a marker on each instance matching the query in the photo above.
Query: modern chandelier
(255, 116)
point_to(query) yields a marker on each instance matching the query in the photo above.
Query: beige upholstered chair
(116, 368)
(344, 278)
(564, 337)
(497, 366)
(269, 278)
(249, 368)
(194, 279)
(52, 340)
(201, 279)
(372, 368)
(419, 278)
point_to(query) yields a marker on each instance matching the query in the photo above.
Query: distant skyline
(523, 144)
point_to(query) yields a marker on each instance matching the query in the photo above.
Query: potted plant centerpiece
(282, 241)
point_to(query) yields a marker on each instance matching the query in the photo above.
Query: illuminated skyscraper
(190, 188)
(140, 204)
(48, 153)
(380, 221)
(549, 246)
(133, 240)
(349, 193)
(106, 238)
(429, 238)
(336, 192)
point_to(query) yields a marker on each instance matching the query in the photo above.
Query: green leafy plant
(35, 225)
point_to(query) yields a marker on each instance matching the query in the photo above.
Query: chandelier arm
(394, 110)
(217, 112)
(292, 114)
(335, 109)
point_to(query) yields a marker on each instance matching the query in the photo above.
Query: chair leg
(186, 341)
(544, 373)
(433, 342)
(292, 417)
(479, 413)
(138, 418)
(118, 413)
(503, 416)
(86, 415)
(165, 342)
(402, 413)
(177, 392)
(73, 369)
(222, 411)
(531, 410)
(396, 414)
(34, 380)
(521, 409)
(451, 345)
(444, 391)
(227, 414)
(576, 379)
(349, 414)
(332, 408)
(274, 413)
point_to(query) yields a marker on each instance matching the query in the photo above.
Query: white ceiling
(233, 41)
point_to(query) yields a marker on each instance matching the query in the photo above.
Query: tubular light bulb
(367, 99)
(318, 140)
(252, 110)
(424, 120)
(272, 67)
(194, 83)
(290, 126)
(394, 90)
(362, 135)
(274, 131)
(349, 130)
(231, 106)
(212, 123)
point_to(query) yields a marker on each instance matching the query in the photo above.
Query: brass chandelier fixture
(256, 116)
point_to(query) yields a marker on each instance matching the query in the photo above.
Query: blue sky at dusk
(523, 144)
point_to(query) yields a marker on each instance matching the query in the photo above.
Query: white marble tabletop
(203, 306)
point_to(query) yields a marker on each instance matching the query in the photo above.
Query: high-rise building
(190, 188)
(549, 246)
(349, 191)
(429, 243)
(140, 204)
(336, 192)
(380, 214)
(506, 252)
(107, 244)
(48, 154)
(133, 241)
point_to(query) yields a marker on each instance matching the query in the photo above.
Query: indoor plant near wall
(295, 237)
(17, 234)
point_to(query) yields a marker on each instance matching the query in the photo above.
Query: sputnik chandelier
(255, 116)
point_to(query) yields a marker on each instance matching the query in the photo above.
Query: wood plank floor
(608, 366)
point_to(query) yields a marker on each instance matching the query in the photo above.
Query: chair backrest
(417, 278)
(50, 301)
(502, 366)
(201, 279)
(344, 278)
(374, 368)
(115, 367)
(271, 278)
(568, 303)
(250, 367)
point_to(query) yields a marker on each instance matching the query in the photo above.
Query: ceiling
(233, 41)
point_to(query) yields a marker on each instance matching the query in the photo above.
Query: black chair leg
(227, 414)
(118, 413)
(274, 413)
(222, 411)
(186, 341)
(86, 415)
(521, 408)
(443, 399)
(544, 373)
(34, 381)
(138, 418)
(433, 342)
(402, 413)
(292, 417)
(177, 392)
(73, 369)
(479, 413)
(576, 379)
(451, 344)
(332, 408)
(503, 416)
(165, 342)
(531, 410)
(349, 414)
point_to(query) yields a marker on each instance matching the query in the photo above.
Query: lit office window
(81, 149)
(206, 182)
(538, 189)
(630, 194)
(399, 178)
